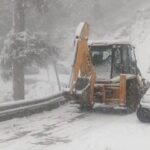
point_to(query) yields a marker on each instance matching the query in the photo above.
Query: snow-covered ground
(42, 84)
(66, 128)
(36, 86)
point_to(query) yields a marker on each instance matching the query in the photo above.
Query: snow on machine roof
(109, 43)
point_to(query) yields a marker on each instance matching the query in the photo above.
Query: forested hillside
(61, 17)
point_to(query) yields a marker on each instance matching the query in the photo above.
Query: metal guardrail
(29, 107)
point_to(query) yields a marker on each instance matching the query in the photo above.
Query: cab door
(120, 60)
(116, 62)
(125, 60)
(133, 62)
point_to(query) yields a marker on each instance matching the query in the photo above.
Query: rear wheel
(133, 96)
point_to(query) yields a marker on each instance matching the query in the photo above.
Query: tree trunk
(18, 68)
(18, 16)
(18, 80)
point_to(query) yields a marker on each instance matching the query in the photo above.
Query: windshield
(101, 59)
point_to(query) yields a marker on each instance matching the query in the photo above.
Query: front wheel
(142, 114)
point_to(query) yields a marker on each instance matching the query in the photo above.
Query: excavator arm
(83, 76)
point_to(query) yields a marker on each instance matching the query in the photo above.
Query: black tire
(132, 96)
(87, 107)
(142, 114)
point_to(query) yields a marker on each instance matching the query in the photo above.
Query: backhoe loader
(104, 72)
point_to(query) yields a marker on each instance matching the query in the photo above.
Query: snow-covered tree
(22, 47)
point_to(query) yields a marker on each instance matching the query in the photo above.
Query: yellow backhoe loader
(104, 72)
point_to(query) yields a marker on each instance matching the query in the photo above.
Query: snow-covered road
(66, 128)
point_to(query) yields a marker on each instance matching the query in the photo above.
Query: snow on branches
(25, 47)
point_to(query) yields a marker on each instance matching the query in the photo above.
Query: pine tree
(23, 47)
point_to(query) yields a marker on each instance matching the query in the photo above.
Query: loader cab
(113, 58)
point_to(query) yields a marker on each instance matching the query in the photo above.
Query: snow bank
(36, 86)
